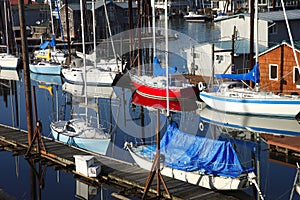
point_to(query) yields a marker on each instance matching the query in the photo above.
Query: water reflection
(133, 121)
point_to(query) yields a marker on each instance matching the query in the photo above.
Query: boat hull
(157, 92)
(174, 105)
(194, 17)
(202, 180)
(282, 107)
(95, 77)
(45, 68)
(94, 143)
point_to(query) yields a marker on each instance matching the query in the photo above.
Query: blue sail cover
(253, 75)
(46, 43)
(188, 152)
(159, 71)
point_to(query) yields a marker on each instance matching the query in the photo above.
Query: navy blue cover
(253, 75)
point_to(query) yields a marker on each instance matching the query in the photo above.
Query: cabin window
(296, 77)
(273, 72)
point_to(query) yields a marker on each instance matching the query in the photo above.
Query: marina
(124, 175)
(77, 123)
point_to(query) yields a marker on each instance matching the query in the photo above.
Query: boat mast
(153, 27)
(94, 33)
(6, 28)
(52, 23)
(290, 35)
(84, 58)
(167, 55)
(256, 37)
(109, 30)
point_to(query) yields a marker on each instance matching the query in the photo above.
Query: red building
(278, 69)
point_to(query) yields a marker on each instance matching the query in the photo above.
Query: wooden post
(26, 71)
(156, 165)
(158, 152)
(232, 50)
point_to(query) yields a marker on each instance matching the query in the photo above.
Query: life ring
(201, 126)
(200, 86)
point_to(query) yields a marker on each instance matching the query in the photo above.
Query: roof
(272, 16)
(279, 15)
(98, 4)
(241, 46)
(124, 5)
(296, 45)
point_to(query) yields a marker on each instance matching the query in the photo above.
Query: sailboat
(233, 97)
(154, 86)
(197, 160)
(79, 132)
(163, 83)
(98, 74)
(7, 59)
(48, 61)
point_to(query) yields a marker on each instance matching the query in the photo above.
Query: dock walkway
(127, 176)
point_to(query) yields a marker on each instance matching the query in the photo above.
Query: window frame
(270, 72)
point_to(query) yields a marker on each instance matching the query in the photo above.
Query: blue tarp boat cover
(253, 75)
(188, 152)
(159, 71)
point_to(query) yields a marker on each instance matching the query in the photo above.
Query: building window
(273, 29)
(219, 58)
(197, 55)
(297, 77)
(273, 72)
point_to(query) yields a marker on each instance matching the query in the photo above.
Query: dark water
(129, 124)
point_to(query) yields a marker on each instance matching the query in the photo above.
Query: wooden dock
(288, 145)
(128, 178)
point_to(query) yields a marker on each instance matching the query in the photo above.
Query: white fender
(201, 126)
(200, 86)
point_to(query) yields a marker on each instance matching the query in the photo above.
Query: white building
(199, 58)
(271, 31)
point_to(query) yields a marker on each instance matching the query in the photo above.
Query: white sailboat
(79, 132)
(233, 97)
(98, 74)
(7, 59)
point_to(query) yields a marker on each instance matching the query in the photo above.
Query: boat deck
(127, 177)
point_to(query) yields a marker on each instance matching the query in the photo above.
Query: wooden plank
(290, 143)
